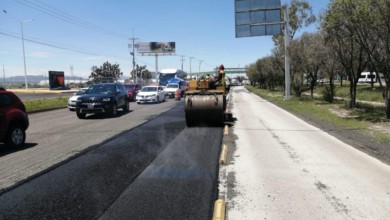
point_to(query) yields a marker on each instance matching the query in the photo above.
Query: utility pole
(24, 55)
(71, 73)
(133, 54)
(200, 63)
(287, 54)
(190, 67)
(182, 60)
(157, 75)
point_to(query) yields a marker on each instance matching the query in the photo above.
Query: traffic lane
(86, 186)
(285, 168)
(57, 135)
(179, 184)
(83, 187)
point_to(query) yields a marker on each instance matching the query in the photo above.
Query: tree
(333, 67)
(301, 15)
(140, 72)
(308, 53)
(251, 73)
(240, 79)
(106, 72)
(338, 27)
(370, 19)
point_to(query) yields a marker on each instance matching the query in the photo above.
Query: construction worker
(221, 75)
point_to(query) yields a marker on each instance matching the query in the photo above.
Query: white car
(73, 99)
(170, 89)
(154, 94)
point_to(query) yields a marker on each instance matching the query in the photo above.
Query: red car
(132, 90)
(13, 119)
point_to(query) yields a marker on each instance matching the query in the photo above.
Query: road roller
(205, 103)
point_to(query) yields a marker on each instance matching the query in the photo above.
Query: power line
(76, 50)
(61, 15)
(64, 48)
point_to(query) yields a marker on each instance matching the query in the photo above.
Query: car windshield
(80, 93)
(172, 86)
(149, 89)
(101, 89)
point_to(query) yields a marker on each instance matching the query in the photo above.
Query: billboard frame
(159, 48)
(256, 18)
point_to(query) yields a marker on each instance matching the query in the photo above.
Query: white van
(367, 77)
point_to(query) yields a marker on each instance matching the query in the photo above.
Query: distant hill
(39, 79)
(35, 79)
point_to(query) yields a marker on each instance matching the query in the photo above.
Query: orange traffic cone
(177, 95)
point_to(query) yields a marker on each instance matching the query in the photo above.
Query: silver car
(153, 94)
(72, 100)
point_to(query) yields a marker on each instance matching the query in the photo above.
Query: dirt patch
(342, 113)
(383, 127)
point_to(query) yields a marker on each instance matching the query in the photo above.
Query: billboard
(257, 17)
(56, 80)
(156, 47)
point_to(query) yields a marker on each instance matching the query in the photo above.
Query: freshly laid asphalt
(159, 170)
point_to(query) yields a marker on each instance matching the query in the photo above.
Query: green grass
(43, 104)
(360, 119)
(364, 92)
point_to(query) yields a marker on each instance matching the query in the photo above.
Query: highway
(281, 167)
(98, 167)
(146, 164)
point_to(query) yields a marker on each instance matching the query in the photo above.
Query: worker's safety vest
(222, 80)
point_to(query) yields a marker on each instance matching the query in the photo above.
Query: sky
(74, 35)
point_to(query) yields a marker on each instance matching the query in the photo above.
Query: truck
(168, 74)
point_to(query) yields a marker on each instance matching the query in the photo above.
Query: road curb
(226, 130)
(223, 156)
(219, 210)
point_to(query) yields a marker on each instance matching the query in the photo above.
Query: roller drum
(205, 109)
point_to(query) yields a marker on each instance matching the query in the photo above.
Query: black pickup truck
(104, 98)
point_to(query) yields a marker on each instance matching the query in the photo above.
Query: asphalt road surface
(145, 164)
(283, 168)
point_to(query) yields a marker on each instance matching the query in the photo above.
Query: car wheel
(16, 136)
(114, 111)
(138, 103)
(126, 108)
(80, 115)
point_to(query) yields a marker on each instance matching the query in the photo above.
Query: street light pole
(133, 54)
(24, 58)
(24, 54)
(200, 63)
(190, 67)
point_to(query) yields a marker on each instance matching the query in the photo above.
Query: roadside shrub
(327, 94)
